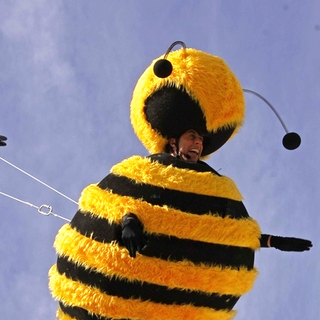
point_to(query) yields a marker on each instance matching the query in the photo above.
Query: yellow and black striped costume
(200, 252)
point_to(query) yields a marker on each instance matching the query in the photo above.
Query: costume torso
(200, 252)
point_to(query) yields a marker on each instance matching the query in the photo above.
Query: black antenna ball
(162, 68)
(291, 141)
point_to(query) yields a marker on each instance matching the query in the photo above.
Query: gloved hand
(2, 141)
(290, 244)
(132, 234)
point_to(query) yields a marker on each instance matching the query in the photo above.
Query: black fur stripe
(167, 247)
(81, 314)
(166, 159)
(184, 201)
(198, 252)
(98, 229)
(143, 290)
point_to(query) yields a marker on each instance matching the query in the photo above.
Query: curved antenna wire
(163, 67)
(270, 105)
(173, 45)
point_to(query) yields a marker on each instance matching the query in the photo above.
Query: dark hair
(168, 148)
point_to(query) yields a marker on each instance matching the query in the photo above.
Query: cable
(40, 209)
(31, 176)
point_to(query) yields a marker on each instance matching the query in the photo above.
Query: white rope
(24, 202)
(40, 209)
(31, 176)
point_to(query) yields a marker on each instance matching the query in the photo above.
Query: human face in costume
(190, 146)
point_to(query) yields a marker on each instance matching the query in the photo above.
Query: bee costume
(199, 258)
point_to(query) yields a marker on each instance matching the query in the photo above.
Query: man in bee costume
(166, 237)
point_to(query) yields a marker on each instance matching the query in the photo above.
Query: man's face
(190, 146)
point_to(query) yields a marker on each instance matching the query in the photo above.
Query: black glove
(290, 244)
(2, 141)
(132, 234)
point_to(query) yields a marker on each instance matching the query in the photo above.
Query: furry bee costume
(199, 258)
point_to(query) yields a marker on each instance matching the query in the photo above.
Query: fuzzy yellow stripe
(143, 170)
(93, 300)
(62, 316)
(112, 260)
(164, 220)
(206, 78)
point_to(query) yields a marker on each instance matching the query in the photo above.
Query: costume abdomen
(198, 261)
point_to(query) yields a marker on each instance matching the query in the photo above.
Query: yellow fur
(143, 170)
(165, 220)
(212, 85)
(112, 260)
(63, 316)
(93, 300)
(206, 78)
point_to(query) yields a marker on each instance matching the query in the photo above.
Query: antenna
(291, 140)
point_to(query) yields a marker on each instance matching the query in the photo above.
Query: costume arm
(284, 243)
(132, 234)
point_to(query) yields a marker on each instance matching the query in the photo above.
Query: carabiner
(40, 210)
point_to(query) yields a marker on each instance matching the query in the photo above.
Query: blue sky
(68, 69)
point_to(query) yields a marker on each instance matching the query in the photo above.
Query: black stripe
(198, 252)
(166, 159)
(81, 314)
(184, 201)
(98, 229)
(143, 290)
(167, 247)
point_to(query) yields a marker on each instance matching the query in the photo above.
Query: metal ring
(46, 207)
